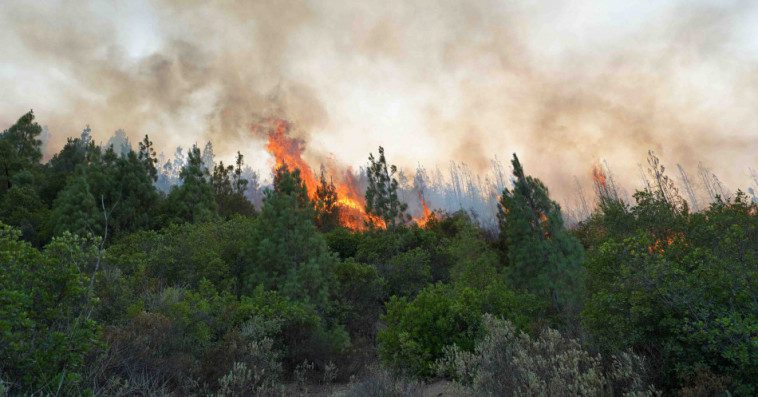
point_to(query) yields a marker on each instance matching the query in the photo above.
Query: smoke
(563, 85)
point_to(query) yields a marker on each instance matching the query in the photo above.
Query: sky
(564, 84)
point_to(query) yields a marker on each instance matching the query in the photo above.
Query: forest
(116, 283)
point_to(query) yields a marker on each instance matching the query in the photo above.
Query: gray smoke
(564, 85)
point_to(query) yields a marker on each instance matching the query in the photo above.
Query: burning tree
(350, 205)
(382, 201)
(327, 209)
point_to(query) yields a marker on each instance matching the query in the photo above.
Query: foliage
(45, 305)
(508, 362)
(382, 383)
(381, 193)
(543, 258)
(190, 291)
(286, 252)
(407, 272)
(19, 149)
(22, 208)
(229, 188)
(418, 331)
(686, 299)
(359, 297)
(327, 211)
(193, 200)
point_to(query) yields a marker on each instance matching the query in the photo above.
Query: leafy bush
(45, 304)
(303, 334)
(507, 362)
(418, 331)
(358, 297)
(407, 273)
(685, 299)
(343, 242)
(186, 254)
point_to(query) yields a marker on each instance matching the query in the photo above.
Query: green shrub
(45, 303)
(303, 334)
(406, 273)
(418, 331)
(343, 242)
(691, 311)
(358, 297)
(381, 383)
(508, 362)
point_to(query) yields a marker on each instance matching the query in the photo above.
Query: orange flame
(289, 150)
(426, 215)
(660, 245)
(598, 175)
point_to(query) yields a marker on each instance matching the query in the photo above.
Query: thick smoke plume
(433, 81)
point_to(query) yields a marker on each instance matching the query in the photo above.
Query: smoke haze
(563, 85)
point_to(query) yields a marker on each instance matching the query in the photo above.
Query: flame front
(289, 150)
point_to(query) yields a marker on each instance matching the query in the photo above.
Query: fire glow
(350, 200)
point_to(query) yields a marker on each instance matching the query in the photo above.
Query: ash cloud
(563, 85)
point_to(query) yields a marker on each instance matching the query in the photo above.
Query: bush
(381, 383)
(302, 335)
(186, 254)
(690, 310)
(507, 362)
(45, 304)
(343, 242)
(407, 273)
(358, 297)
(259, 367)
(419, 330)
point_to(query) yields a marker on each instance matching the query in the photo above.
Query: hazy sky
(563, 84)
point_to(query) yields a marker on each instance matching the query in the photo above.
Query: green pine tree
(76, 209)
(543, 257)
(287, 253)
(229, 189)
(193, 200)
(19, 149)
(381, 193)
(148, 157)
(290, 183)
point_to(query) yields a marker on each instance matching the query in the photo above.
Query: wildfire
(660, 245)
(351, 202)
(598, 175)
(426, 214)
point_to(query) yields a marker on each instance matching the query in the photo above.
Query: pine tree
(381, 193)
(288, 253)
(148, 157)
(327, 211)
(543, 258)
(192, 201)
(229, 189)
(120, 143)
(290, 183)
(240, 183)
(20, 149)
(76, 210)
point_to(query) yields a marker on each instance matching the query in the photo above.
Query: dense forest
(112, 286)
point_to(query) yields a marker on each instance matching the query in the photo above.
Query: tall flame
(426, 214)
(289, 150)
